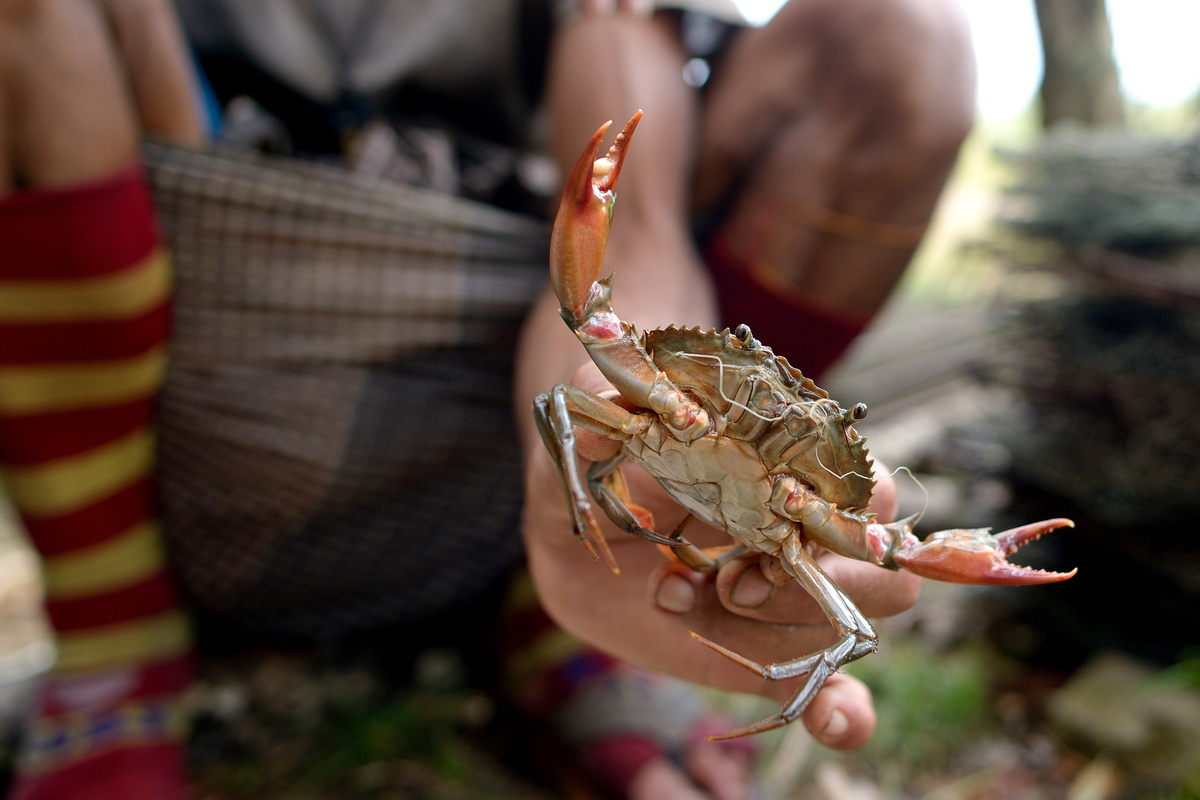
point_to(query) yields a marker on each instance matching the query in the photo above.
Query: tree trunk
(1080, 81)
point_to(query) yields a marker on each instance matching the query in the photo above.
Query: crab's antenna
(891, 474)
(844, 475)
(920, 486)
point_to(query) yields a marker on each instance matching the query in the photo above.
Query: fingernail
(836, 727)
(751, 589)
(675, 594)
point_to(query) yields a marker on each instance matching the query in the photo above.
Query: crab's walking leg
(557, 413)
(856, 638)
(558, 433)
(705, 560)
(608, 489)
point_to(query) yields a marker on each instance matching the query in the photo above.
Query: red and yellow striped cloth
(85, 290)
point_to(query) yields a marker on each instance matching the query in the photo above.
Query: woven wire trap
(336, 443)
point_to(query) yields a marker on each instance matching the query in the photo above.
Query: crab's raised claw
(976, 556)
(584, 216)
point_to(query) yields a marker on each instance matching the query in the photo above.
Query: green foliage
(416, 728)
(928, 704)
(1186, 671)
(408, 745)
(1190, 788)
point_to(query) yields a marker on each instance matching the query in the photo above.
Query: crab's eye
(742, 332)
(858, 412)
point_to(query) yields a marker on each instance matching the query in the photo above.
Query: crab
(739, 438)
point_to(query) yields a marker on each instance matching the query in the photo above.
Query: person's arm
(159, 70)
(604, 67)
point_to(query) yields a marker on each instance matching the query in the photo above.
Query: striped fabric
(85, 293)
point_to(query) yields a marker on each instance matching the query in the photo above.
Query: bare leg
(847, 106)
(75, 99)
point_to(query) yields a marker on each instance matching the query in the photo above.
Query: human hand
(648, 610)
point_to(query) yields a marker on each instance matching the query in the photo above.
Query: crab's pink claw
(584, 215)
(976, 556)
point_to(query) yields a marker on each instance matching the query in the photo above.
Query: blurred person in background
(813, 156)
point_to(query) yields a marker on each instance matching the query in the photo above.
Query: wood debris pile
(1110, 363)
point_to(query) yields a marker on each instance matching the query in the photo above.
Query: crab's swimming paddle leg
(856, 639)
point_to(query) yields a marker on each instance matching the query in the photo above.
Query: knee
(934, 69)
(901, 72)
(15, 14)
(78, 120)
